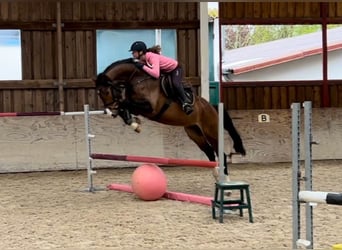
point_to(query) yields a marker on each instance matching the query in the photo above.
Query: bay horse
(125, 90)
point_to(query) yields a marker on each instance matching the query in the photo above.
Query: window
(10, 51)
(334, 37)
(113, 45)
(272, 52)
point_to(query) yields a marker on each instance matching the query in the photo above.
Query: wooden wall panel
(133, 11)
(4, 10)
(27, 11)
(38, 55)
(39, 46)
(79, 44)
(51, 102)
(69, 54)
(90, 54)
(38, 100)
(192, 53)
(80, 47)
(334, 9)
(249, 98)
(273, 99)
(7, 101)
(188, 51)
(259, 98)
(48, 57)
(26, 55)
(270, 9)
(79, 54)
(336, 95)
(277, 97)
(18, 97)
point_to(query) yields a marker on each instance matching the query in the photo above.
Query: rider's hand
(139, 65)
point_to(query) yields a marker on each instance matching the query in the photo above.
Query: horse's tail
(234, 134)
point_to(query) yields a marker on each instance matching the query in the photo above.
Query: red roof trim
(284, 59)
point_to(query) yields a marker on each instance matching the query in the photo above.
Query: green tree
(237, 36)
(266, 33)
(213, 12)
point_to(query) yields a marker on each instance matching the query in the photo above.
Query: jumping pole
(51, 113)
(156, 160)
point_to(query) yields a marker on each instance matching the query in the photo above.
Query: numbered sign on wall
(263, 118)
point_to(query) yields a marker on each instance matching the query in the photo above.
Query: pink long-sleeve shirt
(156, 63)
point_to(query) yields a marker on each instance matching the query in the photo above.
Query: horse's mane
(102, 78)
(127, 60)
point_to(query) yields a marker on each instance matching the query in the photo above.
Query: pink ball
(149, 182)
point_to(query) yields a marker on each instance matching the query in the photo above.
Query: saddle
(169, 91)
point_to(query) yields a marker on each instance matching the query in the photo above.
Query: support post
(204, 45)
(297, 176)
(295, 173)
(221, 142)
(59, 57)
(308, 170)
(88, 136)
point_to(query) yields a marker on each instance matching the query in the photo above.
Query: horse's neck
(123, 72)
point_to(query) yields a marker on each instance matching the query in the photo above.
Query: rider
(152, 62)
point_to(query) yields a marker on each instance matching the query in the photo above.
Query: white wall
(308, 68)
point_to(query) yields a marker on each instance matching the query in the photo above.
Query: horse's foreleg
(196, 135)
(127, 117)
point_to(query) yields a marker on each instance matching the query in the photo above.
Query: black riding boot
(185, 102)
(183, 99)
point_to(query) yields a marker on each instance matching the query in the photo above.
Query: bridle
(117, 89)
(116, 93)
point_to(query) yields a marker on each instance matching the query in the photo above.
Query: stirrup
(187, 108)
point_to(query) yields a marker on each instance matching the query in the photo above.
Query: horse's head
(110, 93)
(111, 84)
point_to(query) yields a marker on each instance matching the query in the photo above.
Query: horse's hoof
(137, 120)
(136, 127)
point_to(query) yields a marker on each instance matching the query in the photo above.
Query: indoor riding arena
(47, 142)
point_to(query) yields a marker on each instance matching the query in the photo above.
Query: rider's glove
(139, 65)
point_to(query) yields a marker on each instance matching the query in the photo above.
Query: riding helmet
(138, 46)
